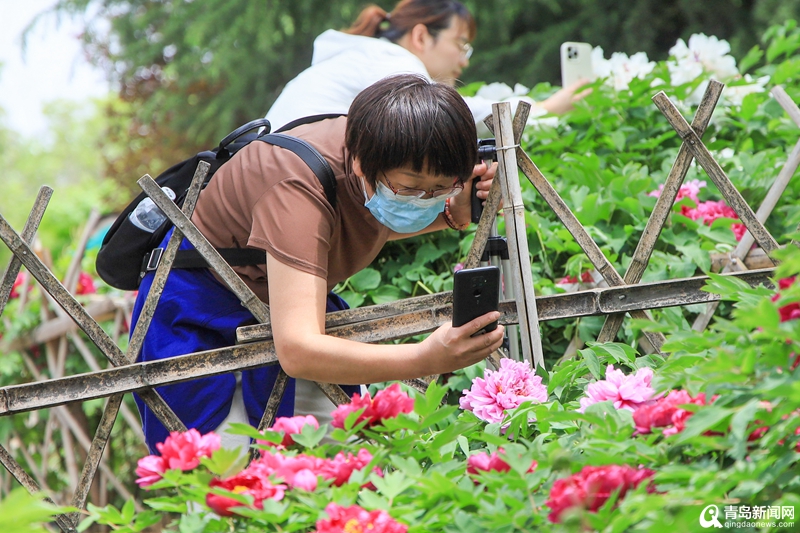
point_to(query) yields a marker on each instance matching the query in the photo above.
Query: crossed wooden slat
(693, 148)
(374, 324)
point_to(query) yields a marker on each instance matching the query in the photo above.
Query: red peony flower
(789, 311)
(290, 426)
(85, 284)
(247, 482)
(183, 450)
(666, 413)
(388, 403)
(590, 488)
(355, 519)
(18, 282)
(341, 467)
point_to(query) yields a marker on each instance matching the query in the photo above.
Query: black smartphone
(476, 291)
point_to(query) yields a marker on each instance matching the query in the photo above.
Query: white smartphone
(576, 62)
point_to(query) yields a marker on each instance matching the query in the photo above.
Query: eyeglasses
(447, 192)
(466, 50)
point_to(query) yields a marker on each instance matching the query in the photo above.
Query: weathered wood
(767, 205)
(33, 396)
(164, 266)
(495, 197)
(715, 172)
(95, 454)
(581, 236)
(248, 298)
(28, 232)
(51, 330)
(209, 253)
(67, 302)
(19, 473)
(786, 102)
(755, 259)
(663, 207)
(74, 269)
(68, 420)
(514, 211)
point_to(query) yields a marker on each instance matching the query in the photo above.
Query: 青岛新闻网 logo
(709, 516)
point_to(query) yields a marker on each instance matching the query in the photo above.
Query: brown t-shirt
(266, 197)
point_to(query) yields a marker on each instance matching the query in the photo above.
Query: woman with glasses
(426, 37)
(401, 158)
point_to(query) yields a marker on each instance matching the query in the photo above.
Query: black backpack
(128, 252)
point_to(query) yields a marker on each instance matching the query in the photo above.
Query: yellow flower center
(352, 526)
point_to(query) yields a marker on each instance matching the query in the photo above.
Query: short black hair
(407, 121)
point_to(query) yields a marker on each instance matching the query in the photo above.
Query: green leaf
(753, 56)
(365, 280)
(703, 420)
(740, 421)
(592, 363)
(309, 436)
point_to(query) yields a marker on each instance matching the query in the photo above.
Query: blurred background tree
(191, 71)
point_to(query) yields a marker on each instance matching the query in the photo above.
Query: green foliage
(21, 512)
(203, 68)
(740, 449)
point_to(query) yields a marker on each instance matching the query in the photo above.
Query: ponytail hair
(436, 15)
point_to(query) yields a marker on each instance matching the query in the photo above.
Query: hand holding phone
(476, 291)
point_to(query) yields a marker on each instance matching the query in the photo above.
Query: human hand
(563, 100)
(482, 177)
(449, 348)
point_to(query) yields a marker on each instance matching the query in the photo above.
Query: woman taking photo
(426, 37)
(403, 158)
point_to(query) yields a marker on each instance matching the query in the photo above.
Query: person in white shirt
(426, 37)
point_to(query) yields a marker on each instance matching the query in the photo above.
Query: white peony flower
(702, 54)
(620, 70)
(499, 91)
(734, 94)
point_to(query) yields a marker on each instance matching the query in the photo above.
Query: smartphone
(576, 62)
(476, 291)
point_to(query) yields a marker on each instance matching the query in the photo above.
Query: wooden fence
(622, 295)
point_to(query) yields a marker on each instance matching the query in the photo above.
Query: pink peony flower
(590, 488)
(708, 212)
(183, 451)
(355, 519)
(627, 392)
(299, 471)
(246, 482)
(150, 469)
(290, 426)
(690, 189)
(666, 413)
(484, 462)
(501, 390)
(85, 284)
(303, 471)
(180, 451)
(388, 403)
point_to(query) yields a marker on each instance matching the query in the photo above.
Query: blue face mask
(403, 214)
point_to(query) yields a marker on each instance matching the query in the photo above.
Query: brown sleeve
(293, 222)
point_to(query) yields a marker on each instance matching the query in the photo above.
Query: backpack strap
(311, 157)
(308, 120)
(252, 256)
